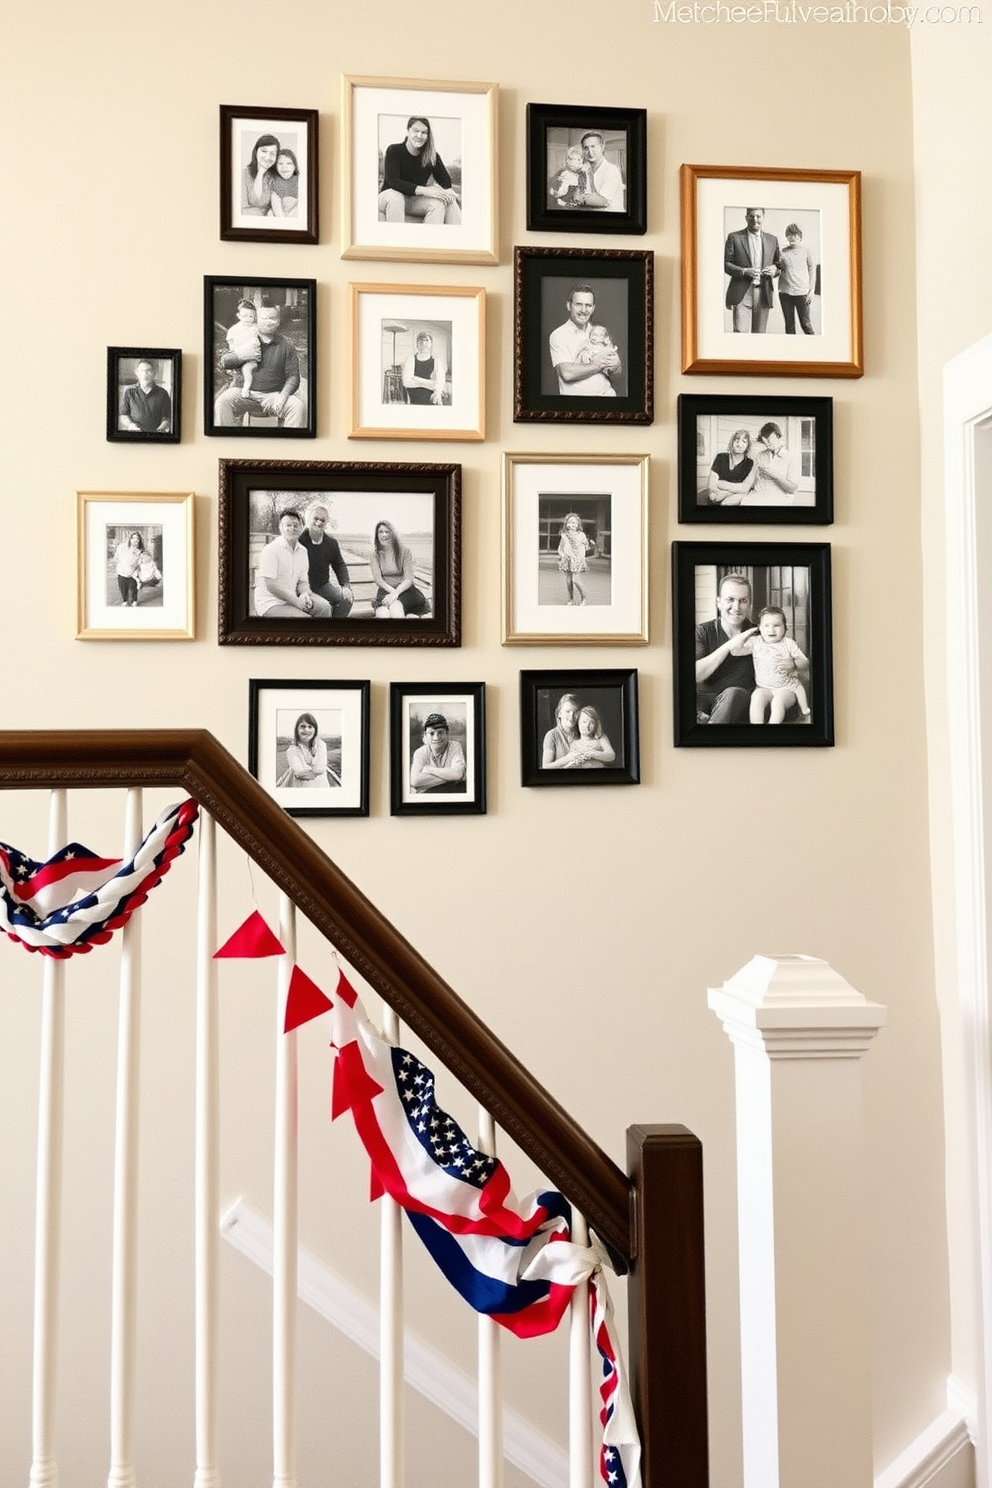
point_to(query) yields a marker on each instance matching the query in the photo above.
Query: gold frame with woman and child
(108, 610)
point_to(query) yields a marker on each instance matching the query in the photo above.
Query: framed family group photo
(260, 357)
(575, 549)
(583, 335)
(268, 175)
(322, 553)
(586, 169)
(437, 748)
(771, 271)
(418, 357)
(755, 459)
(134, 577)
(419, 170)
(753, 657)
(308, 744)
(144, 394)
(579, 727)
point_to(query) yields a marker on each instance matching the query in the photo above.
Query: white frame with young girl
(329, 775)
(294, 133)
(587, 588)
(121, 603)
(376, 112)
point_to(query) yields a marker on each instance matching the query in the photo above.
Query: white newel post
(799, 1031)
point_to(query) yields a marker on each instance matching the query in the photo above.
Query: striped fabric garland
(76, 899)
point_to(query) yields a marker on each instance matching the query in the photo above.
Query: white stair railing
(284, 1204)
(207, 1163)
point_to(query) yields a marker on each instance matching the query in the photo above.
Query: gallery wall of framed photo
(389, 335)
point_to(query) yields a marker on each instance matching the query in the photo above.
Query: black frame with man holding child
(268, 175)
(579, 727)
(565, 300)
(753, 658)
(259, 358)
(393, 532)
(586, 169)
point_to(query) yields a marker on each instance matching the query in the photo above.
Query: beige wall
(573, 923)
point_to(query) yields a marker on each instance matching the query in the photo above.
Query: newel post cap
(773, 996)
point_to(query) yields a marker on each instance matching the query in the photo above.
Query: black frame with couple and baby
(753, 658)
(383, 564)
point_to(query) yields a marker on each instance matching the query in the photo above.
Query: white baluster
(48, 1199)
(207, 1186)
(580, 1447)
(490, 1391)
(284, 1221)
(390, 1321)
(125, 1236)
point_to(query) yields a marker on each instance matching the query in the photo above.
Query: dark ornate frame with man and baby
(308, 744)
(419, 170)
(761, 460)
(327, 553)
(583, 335)
(586, 169)
(144, 394)
(259, 357)
(268, 175)
(579, 727)
(771, 271)
(437, 748)
(752, 649)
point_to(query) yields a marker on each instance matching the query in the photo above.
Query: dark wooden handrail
(193, 760)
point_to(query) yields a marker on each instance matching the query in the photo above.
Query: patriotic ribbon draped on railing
(76, 900)
(513, 1261)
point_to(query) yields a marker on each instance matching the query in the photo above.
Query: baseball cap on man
(435, 720)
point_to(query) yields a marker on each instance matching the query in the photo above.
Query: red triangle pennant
(251, 941)
(304, 1001)
(353, 1085)
(346, 991)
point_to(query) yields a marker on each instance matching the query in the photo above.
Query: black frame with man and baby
(339, 553)
(753, 660)
(268, 175)
(586, 169)
(760, 460)
(579, 727)
(260, 357)
(583, 335)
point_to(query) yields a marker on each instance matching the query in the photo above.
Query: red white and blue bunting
(511, 1260)
(76, 899)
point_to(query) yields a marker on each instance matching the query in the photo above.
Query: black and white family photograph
(585, 169)
(308, 744)
(418, 359)
(579, 728)
(421, 168)
(260, 344)
(575, 549)
(437, 748)
(268, 175)
(771, 264)
(134, 565)
(574, 538)
(771, 271)
(143, 394)
(349, 554)
(583, 335)
(760, 669)
(135, 577)
(755, 459)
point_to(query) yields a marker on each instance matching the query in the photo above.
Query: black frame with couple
(721, 590)
(552, 289)
(553, 129)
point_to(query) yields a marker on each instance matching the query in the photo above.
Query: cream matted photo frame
(308, 744)
(771, 271)
(134, 566)
(419, 170)
(575, 544)
(418, 355)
